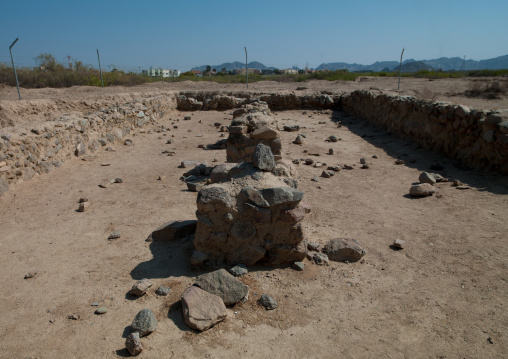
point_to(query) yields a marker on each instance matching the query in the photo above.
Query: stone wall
(474, 137)
(44, 147)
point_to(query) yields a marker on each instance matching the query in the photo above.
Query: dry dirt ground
(443, 296)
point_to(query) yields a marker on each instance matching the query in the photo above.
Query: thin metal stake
(14, 67)
(100, 69)
(400, 67)
(246, 68)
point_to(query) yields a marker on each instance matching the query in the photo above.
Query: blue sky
(181, 35)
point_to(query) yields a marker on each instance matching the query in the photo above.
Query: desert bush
(491, 90)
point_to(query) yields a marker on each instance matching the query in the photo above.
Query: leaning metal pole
(400, 67)
(246, 68)
(14, 67)
(100, 69)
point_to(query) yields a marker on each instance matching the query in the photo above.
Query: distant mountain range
(410, 65)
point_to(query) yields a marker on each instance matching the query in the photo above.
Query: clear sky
(184, 34)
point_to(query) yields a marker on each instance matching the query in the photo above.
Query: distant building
(160, 72)
(197, 73)
(267, 72)
(290, 71)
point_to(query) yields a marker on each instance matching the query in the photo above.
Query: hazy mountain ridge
(443, 63)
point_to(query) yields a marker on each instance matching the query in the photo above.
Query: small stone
(365, 166)
(362, 161)
(399, 162)
(426, 177)
(299, 266)
(83, 199)
(224, 285)
(133, 344)
(315, 179)
(399, 243)
(104, 184)
(457, 183)
(101, 310)
(263, 158)
(115, 235)
(325, 174)
(268, 302)
(83, 206)
(320, 259)
(298, 140)
(104, 164)
(309, 161)
(198, 258)
(144, 323)
(421, 190)
(239, 270)
(187, 118)
(333, 138)
(344, 249)
(110, 149)
(30, 275)
(163, 290)
(330, 151)
(348, 167)
(118, 180)
(463, 187)
(128, 143)
(73, 317)
(140, 287)
(374, 156)
(162, 178)
(94, 304)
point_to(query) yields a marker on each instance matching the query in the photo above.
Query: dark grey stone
(268, 302)
(162, 290)
(144, 323)
(263, 158)
(239, 270)
(299, 266)
(344, 249)
(223, 285)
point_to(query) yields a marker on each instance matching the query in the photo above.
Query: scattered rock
(198, 258)
(330, 151)
(320, 259)
(118, 180)
(30, 275)
(73, 317)
(115, 235)
(347, 167)
(162, 178)
(291, 128)
(174, 230)
(101, 310)
(374, 156)
(312, 246)
(362, 161)
(144, 323)
(315, 179)
(457, 183)
(140, 287)
(133, 344)
(365, 166)
(187, 118)
(399, 162)
(299, 266)
(224, 285)
(239, 270)
(128, 143)
(344, 249)
(83, 206)
(163, 290)
(202, 310)
(399, 243)
(268, 302)
(298, 140)
(421, 190)
(333, 138)
(426, 177)
(104, 184)
(194, 186)
(463, 187)
(309, 161)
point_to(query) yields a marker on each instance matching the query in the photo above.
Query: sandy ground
(443, 296)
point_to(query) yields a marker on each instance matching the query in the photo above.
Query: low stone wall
(44, 147)
(473, 137)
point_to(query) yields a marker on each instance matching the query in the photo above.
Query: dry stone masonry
(251, 211)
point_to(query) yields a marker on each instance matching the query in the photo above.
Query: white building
(160, 72)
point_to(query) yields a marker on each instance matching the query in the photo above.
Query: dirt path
(443, 296)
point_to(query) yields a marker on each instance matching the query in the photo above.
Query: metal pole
(246, 68)
(100, 69)
(400, 67)
(14, 67)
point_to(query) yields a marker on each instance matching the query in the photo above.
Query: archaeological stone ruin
(252, 210)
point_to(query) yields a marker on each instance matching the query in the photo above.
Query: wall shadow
(416, 156)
